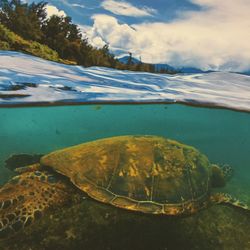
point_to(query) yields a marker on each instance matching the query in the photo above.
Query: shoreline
(72, 103)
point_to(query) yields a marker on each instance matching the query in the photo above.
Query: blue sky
(208, 34)
(82, 10)
(167, 9)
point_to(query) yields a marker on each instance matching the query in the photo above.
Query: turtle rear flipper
(228, 199)
(220, 174)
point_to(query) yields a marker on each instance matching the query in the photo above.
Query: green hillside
(11, 41)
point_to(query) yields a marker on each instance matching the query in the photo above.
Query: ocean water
(223, 135)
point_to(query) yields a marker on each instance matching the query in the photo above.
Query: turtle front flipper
(228, 199)
(27, 196)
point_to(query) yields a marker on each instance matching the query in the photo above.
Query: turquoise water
(223, 135)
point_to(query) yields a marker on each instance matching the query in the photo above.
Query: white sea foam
(98, 84)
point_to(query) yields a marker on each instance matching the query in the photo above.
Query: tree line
(31, 22)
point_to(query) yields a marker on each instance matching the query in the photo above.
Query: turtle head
(17, 161)
(220, 175)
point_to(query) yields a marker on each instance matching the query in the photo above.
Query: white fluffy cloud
(78, 5)
(126, 9)
(53, 10)
(107, 30)
(216, 37)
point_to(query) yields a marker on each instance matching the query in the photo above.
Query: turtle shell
(148, 174)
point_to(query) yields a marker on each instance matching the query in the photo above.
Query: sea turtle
(148, 174)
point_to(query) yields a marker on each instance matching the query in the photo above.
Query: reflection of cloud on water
(46, 81)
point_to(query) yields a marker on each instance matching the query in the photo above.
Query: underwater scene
(89, 220)
(124, 125)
